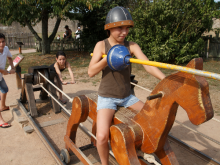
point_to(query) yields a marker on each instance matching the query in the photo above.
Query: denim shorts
(112, 103)
(3, 86)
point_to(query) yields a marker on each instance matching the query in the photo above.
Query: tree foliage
(170, 30)
(30, 12)
(93, 21)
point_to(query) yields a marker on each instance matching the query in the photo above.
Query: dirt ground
(18, 148)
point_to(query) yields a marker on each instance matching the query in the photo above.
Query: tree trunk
(45, 40)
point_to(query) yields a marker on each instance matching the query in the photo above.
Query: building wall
(17, 28)
(215, 26)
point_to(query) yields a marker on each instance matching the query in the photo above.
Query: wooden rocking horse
(148, 129)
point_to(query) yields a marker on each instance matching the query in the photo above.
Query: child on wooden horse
(115, 87)
(60, 65)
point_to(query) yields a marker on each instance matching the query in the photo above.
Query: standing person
(77, 33)
(64, 35)
(60, 65)
(58, 37)
(115, 87)
(68, 33)
(4, 54)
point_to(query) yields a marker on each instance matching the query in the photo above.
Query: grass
(75, 58)
(80, 60)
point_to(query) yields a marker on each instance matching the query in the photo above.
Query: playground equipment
(148, 129)
(145, 131)
(30, 85)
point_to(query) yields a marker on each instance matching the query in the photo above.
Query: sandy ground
(18, 148)
(13, 52)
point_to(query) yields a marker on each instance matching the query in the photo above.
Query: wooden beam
(31, 99)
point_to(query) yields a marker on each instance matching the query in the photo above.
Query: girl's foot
(63, 101)
(5, 125)
(4, 108)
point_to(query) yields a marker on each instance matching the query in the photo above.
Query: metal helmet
(118, 16)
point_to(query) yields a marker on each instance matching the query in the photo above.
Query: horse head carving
(189, 91)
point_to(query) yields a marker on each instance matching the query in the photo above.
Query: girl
(58, 67)
(115, 87)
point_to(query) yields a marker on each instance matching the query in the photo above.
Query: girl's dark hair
(60, 53)
(108, 33)
(2, 35)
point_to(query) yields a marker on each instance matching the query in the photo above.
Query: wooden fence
(212, 48)
(62, 45)
(27, 39)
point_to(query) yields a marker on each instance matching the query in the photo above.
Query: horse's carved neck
(157, 116)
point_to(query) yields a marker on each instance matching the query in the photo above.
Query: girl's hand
(5, 72)
(64, 82)
(73, 82)
(12, 71)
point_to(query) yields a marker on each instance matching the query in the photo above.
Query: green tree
(170, 30)
(93, 21)
(30, 12)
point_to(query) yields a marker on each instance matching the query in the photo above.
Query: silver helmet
(118, 16)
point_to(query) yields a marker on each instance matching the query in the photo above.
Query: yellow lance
(207, 74)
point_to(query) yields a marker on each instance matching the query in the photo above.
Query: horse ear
(196, 63)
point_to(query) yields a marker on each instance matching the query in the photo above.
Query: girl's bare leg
(60, 96)
(3, 99)
(137, 106)
(104, 120)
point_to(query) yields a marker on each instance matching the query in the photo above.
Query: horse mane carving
(148, 129)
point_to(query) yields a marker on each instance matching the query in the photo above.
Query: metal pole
(175, 67)
(43, 138)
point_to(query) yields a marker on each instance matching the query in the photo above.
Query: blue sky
(217, 0)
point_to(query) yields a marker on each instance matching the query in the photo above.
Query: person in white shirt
(77, 33)
(58, 37)
(4, 54)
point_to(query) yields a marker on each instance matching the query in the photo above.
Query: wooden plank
(18, 77)
(52, 122)
(82, 157)
(27, 79)
(31, 99)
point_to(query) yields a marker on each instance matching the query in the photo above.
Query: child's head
(2, 41)
(66, 27)
(61, 57)
(118, 17)
(2, 36)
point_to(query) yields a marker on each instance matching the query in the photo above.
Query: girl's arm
(59, 73)
(71, 73)
(4, 72)
(154, 71)
(70, 33)
(10, 61)
(97, 63)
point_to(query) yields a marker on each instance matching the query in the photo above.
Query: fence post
(62, 45)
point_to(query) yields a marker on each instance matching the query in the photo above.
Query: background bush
(170, 30)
